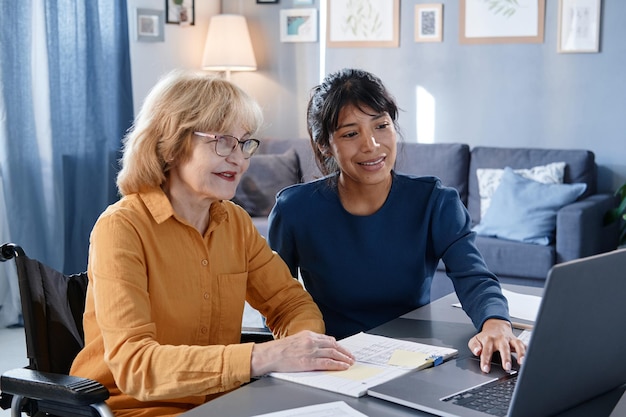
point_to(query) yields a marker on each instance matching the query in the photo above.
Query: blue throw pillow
(525, 210)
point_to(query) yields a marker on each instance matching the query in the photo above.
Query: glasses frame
(242, 143)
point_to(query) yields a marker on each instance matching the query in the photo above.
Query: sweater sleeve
(478, 288)
(280, 238)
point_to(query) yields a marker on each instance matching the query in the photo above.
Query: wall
(182, 48)
(512, 95)
(286, 71)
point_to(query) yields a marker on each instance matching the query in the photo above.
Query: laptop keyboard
(492, 398)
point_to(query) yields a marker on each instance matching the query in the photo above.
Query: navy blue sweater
(363, 271)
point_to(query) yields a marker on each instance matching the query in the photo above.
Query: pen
(521, 326)
(436, 360)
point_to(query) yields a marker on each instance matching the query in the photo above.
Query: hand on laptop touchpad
(473, 364)
(496, 361)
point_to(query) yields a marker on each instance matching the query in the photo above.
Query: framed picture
(579, 26)
(501, 21)
(363, 23)
(298, 25)
(149, 24)
(180, 12)
(428, 27)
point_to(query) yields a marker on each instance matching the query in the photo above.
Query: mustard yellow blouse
(165, 304)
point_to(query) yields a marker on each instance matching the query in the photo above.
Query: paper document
(521, 306)
(378, 359)
(525, 336)
(334, 409)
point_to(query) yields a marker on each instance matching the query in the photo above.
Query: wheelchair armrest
(59, 388)
(256, 335)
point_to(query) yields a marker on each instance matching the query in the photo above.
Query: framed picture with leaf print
(501, 21)
(363, 23)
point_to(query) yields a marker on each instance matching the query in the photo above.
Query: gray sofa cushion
(510, 258)
(426, 159)
(266, 176)
(580, 167)
(302, 147)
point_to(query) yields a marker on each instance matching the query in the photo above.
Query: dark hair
(348, 86)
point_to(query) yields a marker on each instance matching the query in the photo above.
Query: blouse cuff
(237, 361)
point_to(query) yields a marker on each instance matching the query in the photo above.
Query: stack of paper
(378, 359)
(521, 306)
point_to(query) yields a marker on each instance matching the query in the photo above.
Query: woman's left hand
(496, 336)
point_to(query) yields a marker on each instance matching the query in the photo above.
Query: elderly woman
(172, 262)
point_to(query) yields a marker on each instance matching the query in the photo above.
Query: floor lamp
(228, 46)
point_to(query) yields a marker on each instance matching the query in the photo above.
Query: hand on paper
(304, 351)
(497, 336)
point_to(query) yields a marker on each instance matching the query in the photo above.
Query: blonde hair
(179, 104)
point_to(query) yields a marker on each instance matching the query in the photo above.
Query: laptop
(576, 351)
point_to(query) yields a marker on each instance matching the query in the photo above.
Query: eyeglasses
(226, 144)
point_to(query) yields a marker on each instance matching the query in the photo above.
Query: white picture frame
(298, 25)
(149, 25)
(429, 22)
(501, 21)
(579, 26)
(364, 23)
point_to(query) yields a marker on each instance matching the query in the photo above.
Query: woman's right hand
(304, 351)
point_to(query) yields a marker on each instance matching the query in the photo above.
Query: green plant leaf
(621, 209)
(618, 214)
(621, 191)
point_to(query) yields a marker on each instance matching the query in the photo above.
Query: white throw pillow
(489, 179)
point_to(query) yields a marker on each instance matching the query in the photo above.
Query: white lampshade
(228, 46)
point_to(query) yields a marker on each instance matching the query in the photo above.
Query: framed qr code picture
(428, 22)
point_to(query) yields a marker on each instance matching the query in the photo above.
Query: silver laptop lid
(575, 352)
(577, 346)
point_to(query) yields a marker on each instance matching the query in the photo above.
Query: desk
(437, 323)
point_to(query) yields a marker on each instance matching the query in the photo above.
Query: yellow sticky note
(408, 359)
(357, 372)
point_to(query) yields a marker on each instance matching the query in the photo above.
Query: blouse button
(205, 262)
(206, 295)
(203, 330)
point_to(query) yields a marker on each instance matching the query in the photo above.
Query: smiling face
(205, 177)
(364, 146)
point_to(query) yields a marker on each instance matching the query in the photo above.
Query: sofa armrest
(580, 229)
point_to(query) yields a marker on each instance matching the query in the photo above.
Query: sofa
(576, 219)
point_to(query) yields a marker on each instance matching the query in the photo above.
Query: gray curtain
(65, 104)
